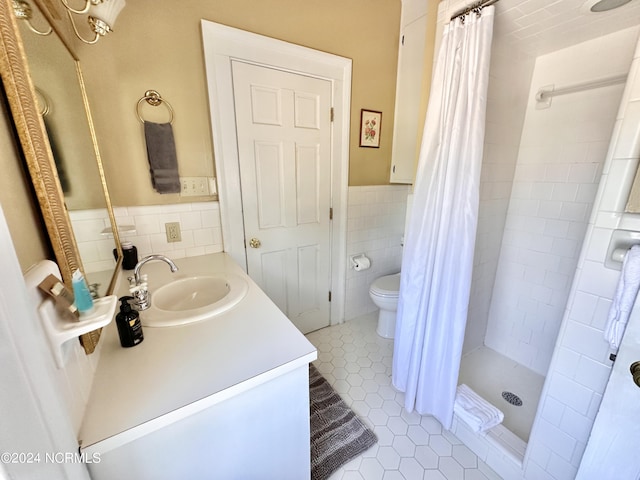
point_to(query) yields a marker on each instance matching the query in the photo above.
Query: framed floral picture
(370, 122)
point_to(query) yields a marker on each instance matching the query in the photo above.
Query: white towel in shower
(475, 411)
(624, 298)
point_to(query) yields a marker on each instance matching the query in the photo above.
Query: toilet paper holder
(360, 262)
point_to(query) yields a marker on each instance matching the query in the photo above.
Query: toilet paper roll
(361, 263)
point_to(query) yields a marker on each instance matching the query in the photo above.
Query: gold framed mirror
(26, 105)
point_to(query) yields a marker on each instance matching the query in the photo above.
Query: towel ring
(154, 99)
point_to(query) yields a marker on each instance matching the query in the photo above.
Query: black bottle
(129, 255)
(128, 323)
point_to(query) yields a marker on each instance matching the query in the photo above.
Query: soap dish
(59, 330)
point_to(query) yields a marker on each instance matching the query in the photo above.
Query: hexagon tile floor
(357, 362)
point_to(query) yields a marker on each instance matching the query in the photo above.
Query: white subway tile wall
(94, 247)
(506, 106)
(375, 226)
(580, 366)
(376, 217)
(199, 227)
(562, 153)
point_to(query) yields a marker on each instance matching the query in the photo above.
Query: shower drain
(512, 398)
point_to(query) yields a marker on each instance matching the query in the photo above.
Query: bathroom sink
(192, 299)
(191, 293)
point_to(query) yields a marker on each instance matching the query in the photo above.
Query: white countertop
(177, 371)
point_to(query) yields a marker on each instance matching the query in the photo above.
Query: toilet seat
(387, 286)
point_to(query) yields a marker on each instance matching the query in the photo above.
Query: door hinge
(329, 295)
(402, 39)
(332, 113)
(331, 213)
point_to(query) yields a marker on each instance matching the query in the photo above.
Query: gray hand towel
(161, 152)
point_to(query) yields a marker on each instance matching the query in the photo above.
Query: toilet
(384, 292)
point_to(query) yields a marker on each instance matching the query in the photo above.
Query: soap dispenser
(128, 323)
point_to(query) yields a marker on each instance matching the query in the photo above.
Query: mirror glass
(56, 77)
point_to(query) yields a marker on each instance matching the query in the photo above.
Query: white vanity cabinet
(408, 90)
(262, 433)
(226, 397)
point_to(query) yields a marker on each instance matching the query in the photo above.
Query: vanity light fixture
(22, 11)
(101, 15)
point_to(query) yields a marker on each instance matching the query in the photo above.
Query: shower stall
(557, 77)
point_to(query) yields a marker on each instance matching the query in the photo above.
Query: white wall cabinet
(408, 90)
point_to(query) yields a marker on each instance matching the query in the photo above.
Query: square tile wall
(199, 225)
(560, 161)
(375, 226)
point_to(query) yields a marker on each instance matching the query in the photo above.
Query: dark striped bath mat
(337, 434)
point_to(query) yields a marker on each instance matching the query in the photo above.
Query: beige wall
(17, 199)
(161, 49)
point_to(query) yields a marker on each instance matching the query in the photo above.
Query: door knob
(635, 371)
(254, 243)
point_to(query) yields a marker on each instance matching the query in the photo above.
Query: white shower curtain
(439, 243)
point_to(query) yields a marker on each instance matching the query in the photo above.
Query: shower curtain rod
(475, 6)
(543, 94)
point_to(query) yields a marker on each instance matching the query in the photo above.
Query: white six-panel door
(284, 146)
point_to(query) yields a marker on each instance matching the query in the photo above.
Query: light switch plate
(194, 186)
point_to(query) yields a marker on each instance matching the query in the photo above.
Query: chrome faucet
(138, 283)
(136, 270)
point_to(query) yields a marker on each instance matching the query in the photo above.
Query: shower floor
(489, 374)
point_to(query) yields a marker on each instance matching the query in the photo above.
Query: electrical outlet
(194, 186)
(173, 232)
